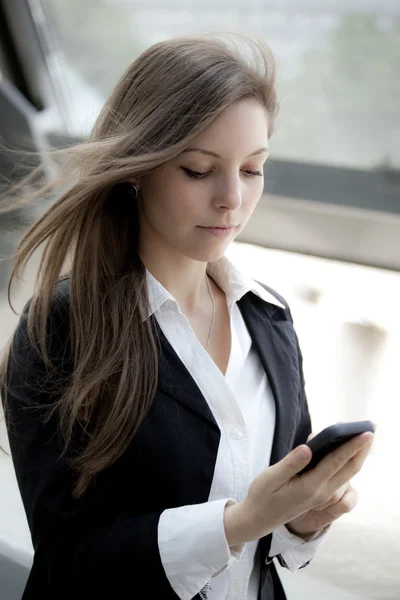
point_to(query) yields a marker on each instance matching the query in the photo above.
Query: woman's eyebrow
(208, 152)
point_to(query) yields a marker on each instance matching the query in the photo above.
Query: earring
(134, 191)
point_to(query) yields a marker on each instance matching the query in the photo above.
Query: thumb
(291, 464)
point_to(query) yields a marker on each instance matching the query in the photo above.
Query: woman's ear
(133, 190)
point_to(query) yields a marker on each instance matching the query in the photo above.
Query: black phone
(332, 437)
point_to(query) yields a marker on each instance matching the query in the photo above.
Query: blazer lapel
(274, 341)
(175, 380)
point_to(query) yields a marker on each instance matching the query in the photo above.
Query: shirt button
(236, 434)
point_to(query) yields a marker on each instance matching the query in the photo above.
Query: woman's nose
(230, 195)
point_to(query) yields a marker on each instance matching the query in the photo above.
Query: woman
(150, 383)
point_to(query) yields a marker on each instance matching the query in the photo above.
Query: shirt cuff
(193, 545)
(294, 550)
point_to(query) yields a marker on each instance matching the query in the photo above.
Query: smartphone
(332, 437)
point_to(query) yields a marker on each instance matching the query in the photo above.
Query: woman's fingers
(345, 505)
(335, 498)
(351, 468)
(340, 465)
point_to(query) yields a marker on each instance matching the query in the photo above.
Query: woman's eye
(194, 174)
(254, 173)
(199, 175)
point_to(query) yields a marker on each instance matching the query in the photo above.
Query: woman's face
(218, 187)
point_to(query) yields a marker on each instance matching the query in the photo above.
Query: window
(337, 66)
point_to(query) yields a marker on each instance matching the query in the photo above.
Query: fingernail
(302, 451)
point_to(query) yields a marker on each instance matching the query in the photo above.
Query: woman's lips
(220, 232)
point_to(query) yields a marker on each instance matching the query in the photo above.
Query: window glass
(338, 62)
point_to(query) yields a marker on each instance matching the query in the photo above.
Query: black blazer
(105, 544)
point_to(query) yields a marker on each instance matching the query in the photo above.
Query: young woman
(154, 394)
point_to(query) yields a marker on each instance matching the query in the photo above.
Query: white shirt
(192, 542)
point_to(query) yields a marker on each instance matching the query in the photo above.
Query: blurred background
(326, 233)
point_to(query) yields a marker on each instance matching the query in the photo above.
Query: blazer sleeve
(303, 431)
(87, 544)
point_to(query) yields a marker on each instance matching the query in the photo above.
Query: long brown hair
(171, 93)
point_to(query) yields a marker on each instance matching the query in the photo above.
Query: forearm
(193, 546)
(110, 554)
(236, 524)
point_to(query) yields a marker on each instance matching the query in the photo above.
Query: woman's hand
(306, 502)
(342, 501)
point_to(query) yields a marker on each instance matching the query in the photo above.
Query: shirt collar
(226, 275)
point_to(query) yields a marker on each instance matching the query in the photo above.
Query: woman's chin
(210, 254)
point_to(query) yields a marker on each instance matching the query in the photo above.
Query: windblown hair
(170, 94)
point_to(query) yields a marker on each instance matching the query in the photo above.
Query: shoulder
(60, 299)
(280, 298)
(61, 292)
(274, 293)
(57, 326)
